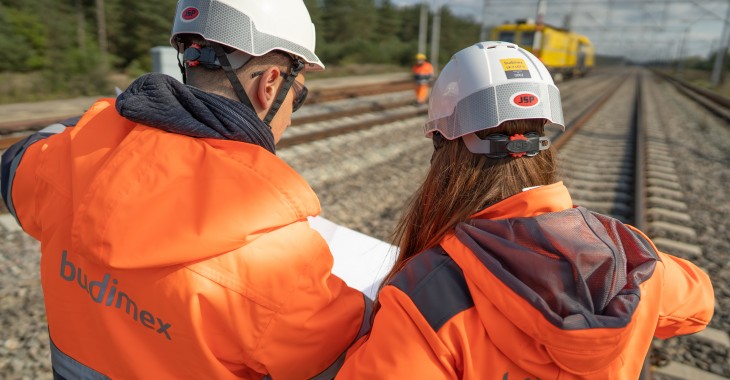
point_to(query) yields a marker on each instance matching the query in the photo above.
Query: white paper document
(362, 261)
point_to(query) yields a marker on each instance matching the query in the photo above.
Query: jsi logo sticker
(190, 13)
(525, 100)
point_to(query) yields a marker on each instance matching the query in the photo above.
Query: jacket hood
(561, 279)
(144, 197)
(162, 102)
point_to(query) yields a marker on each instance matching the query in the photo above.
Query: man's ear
(266, 90)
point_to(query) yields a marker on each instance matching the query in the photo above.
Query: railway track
(669, 222)
(621, 164)
(363, 154)
(710, 100)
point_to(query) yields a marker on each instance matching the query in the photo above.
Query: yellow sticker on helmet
(515, 68)
(512, 64)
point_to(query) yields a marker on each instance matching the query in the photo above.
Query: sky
(640, 30)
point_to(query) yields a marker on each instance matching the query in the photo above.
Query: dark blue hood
(162, 102)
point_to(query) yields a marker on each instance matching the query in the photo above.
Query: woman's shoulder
(435, 284)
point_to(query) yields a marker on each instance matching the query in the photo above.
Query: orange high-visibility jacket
(171, 257)
(532, 288)
(422, 73)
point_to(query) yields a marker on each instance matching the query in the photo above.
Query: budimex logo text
(98, 290)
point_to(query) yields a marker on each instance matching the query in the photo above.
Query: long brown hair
(461, 183)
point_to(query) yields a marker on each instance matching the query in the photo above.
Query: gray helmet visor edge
(492, 106)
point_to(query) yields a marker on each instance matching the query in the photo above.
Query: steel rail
(640, 187)
(349, 128)
(329, 94)
(358, 110)
(579, 121)
(710, 100)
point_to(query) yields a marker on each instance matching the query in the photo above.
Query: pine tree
(140, 25)
(347, 20)
(389, 21)
(315, 12)
(24, 38)
(456, 34)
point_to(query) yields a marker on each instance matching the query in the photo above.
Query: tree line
(73, 44)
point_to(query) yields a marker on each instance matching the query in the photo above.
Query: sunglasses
(300, 90)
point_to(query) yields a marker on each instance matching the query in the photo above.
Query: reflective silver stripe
(492, 106)
(69, 368)
(53, 129)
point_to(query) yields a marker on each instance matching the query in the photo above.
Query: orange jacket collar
(534, 202)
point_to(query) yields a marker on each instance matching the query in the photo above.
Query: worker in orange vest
(423, 75)
(499, 274)
(175, 244)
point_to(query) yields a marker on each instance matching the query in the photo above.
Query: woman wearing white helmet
(175, 243)
(499, 276)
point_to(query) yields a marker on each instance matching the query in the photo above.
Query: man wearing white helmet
(175, 244)
(499, 275)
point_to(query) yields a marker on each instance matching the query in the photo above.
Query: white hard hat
(487, 84)
(252, 26)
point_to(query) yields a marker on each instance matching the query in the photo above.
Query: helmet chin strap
(296, 68)
(224, 63)
(231, 74)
